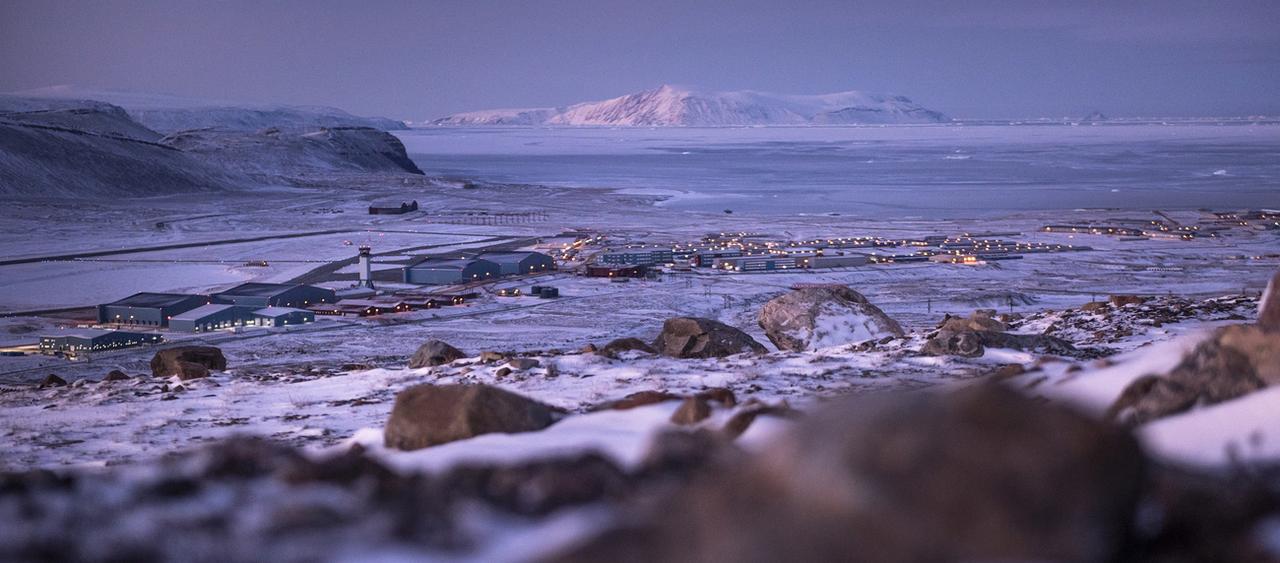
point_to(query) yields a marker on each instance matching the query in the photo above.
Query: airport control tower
(366, 267)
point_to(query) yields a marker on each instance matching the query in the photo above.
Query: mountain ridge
(678, 106)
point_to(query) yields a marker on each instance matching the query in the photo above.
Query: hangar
(513, 263)
(260, 295)
(149, 309)
(446, 272)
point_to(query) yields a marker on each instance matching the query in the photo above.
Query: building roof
(454, 264)
(89, 333)
(147, 299)
(277, 311)
(202, 312)
(508, 257)
(253, 289)
(370, 303)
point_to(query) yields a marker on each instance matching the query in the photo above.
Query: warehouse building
(447, 272)
(835, 261)
(762, 263)
(149, 309)
(213, 317)
(282, 316)
(75, 342)
(259, 295)
(639, 256)
(514, 263)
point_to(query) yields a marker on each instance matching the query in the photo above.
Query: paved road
(96, 253)
(176, 245)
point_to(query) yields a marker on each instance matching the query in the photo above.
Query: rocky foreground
(1032, 440)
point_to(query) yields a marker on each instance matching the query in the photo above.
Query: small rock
(719, 394)
(693, 337)
(742, 420)
(692, 411)
(628, 344)
(434, 353)
(52, 380)
(588, 349)
(428, 415)
(637, 399)
(1008, 371)
(191, 370)
(502, 372)
(116, 375)
(522, 363)
(174, 361)
(1123, 300)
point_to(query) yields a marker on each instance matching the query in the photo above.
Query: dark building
(513, 263)
(212, 317)
(447, 272)
(404, 207)
(615, 271)
(259, 295)
(149, 309)
(75, 342)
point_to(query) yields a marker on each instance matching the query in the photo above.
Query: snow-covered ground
(321, 384)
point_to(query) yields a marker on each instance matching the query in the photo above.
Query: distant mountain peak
(671, 105)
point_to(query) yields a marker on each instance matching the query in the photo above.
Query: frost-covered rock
(982, 474)
(434, 353)
(188, 362)
(1269, 306)
(694, 337)
(819, 317)
(429, 415)
(618, 346)
(1235, 361)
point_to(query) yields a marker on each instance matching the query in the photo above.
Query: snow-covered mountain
(684, 107)
(169, 114)
(62, 147)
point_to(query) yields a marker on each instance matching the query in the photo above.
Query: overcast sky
(424, 59)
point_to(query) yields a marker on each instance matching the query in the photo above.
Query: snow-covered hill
(677, 106)
(275, 153)
(66, 148)
(169, 114)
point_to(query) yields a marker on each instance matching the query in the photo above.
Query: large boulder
(429, 415)
(188, 362)
(694, 337)
(1235, 361)
(982, 474)
(434, 353)
(818, 317)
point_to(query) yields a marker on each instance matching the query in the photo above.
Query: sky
(426, 59)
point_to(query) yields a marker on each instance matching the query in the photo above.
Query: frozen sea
(883, 171)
